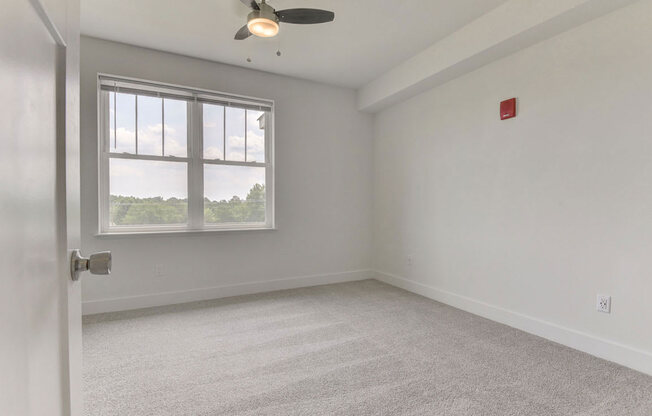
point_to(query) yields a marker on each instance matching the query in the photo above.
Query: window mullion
(195, 168)
(115, 122)
(103, 175)
(162, 126)
(135, 121)
(245, 128)
(269, 171)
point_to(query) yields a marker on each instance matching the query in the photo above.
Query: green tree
(256, 204)
(235, 210)
(129, 210)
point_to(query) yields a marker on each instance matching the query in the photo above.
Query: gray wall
(531, 217)
(323, 190)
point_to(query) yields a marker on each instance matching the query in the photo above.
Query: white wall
(527, 220)
(510, 27)
(323, 191)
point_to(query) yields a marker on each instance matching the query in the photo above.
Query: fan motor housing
(265, 12)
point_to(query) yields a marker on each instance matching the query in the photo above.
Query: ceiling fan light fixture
(263, 27)
(263, 20)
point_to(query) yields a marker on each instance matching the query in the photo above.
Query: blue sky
(169, 179)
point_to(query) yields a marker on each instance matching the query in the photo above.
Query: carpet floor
(361, 348)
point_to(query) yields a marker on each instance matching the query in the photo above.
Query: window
(181, 159)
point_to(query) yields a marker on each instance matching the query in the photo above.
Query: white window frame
(194, 159)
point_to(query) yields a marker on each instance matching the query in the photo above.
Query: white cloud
(255, 147)
(169, 179)
(145, 178)
(224, 182)
(213, 152)
(125, 171)
(236, 142)
(236, 156)
(150, 141)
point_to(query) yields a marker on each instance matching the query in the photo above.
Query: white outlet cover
(604, 303)
(158, 270)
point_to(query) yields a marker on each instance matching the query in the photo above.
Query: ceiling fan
(263, 20)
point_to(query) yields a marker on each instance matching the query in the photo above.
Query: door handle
(96, 263)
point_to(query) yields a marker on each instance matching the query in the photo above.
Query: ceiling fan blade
(243, 33)
(305, 16)
(251, 3)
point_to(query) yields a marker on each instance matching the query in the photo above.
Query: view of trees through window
(130, 210)
(149, 174)
(250, 209)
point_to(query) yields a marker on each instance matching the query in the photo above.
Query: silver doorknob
(97, 263)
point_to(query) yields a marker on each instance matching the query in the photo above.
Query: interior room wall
(323, 192)
(527, 220)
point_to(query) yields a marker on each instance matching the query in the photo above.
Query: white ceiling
(367, 38)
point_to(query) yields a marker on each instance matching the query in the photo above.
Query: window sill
(121, 234)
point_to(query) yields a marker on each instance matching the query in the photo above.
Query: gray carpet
(362, 348)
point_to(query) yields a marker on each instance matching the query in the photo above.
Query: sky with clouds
(141, 178)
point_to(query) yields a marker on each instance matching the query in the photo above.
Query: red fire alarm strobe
(508, 109)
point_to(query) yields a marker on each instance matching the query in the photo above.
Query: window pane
(125, 119)
(144, 192)
(111, 120)
(176, 128)
(235, 133)
(234, 194)
(255, 136)
(213, 131)
(150, 125)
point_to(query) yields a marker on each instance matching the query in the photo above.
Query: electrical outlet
(158, 270)
(604, 304)
(409, 260)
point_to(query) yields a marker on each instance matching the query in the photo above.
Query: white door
(40, 313)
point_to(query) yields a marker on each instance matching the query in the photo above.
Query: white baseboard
(627, 356)
(169, 298)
